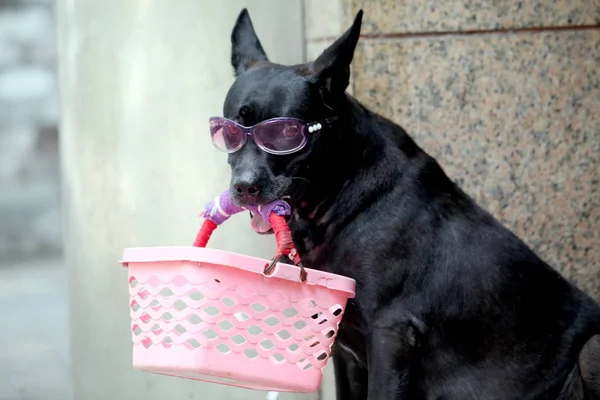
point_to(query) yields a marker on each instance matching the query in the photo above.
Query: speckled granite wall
(402, 16)
(506, 96)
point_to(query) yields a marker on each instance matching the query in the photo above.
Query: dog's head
(264, 90)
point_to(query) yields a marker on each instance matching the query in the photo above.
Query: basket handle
(204, 233)
(283, 236)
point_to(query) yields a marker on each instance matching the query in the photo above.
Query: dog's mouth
(261, 226)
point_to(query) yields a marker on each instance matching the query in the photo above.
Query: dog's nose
(246, 188)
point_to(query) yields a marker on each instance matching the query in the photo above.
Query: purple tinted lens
(226, 135)
(280, 136)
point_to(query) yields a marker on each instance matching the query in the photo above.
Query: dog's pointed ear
(332, 67)
(246, 49)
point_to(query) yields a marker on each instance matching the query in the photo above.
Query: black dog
(449, 303)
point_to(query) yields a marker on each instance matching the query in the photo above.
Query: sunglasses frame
(307, 128)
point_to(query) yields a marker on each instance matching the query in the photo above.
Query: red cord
(283, 236)
(204, 234)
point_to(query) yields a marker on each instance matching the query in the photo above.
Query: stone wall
(505, 95)
(29, 110)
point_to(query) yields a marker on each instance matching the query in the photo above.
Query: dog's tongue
(259, 224)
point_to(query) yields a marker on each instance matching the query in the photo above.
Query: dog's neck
(367, 157)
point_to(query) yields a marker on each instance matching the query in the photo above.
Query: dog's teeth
(311, 129)
(286, 197)
(319, 126)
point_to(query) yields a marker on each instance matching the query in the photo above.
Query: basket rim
(243, 262)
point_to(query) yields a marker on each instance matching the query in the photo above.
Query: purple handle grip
(223, 207)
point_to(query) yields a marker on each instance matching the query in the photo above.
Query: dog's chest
(316, 241)
(307, 241)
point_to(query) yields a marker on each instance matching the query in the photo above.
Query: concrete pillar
(138, 81)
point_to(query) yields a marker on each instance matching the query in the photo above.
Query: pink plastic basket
(215, 316)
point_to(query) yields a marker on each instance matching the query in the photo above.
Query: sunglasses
(275, 136)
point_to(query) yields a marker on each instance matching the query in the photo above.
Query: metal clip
(271, 266)
(303, 274)
(296, 259)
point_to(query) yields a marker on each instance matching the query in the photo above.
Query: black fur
(449, 303)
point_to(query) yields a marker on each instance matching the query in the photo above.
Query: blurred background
(33, 288)
(505, 94)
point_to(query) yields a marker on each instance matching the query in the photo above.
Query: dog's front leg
(391, 346)
(350, 377)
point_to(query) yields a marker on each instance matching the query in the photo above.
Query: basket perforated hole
(300, 324)
(322, 356)
(195, 319)
(293, 347)
(330, 334)
(267, 344)
(312, 340)
(254, 330)
(223, 348)
(180, 305)
(193, 343)
(228, 302)
(147, 342)
(133, 282)
(137, 330)
(238, 339)
(135, 306)
(210, 334)
(145, 318)
(309, 338)
(251, 353)
(180, 329)
(337, 311)
(290, 312)
(304, 364)
(241, 316)
(156, 328)
(258, 307)
(319, 315)
(283, 335)
(272, 321)
(278, 358)
(144, 294)
(212, 311)
(226, 325)
(196, 296)
(167, 316)
(168, 340)
(154, 303)
(166, 292)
